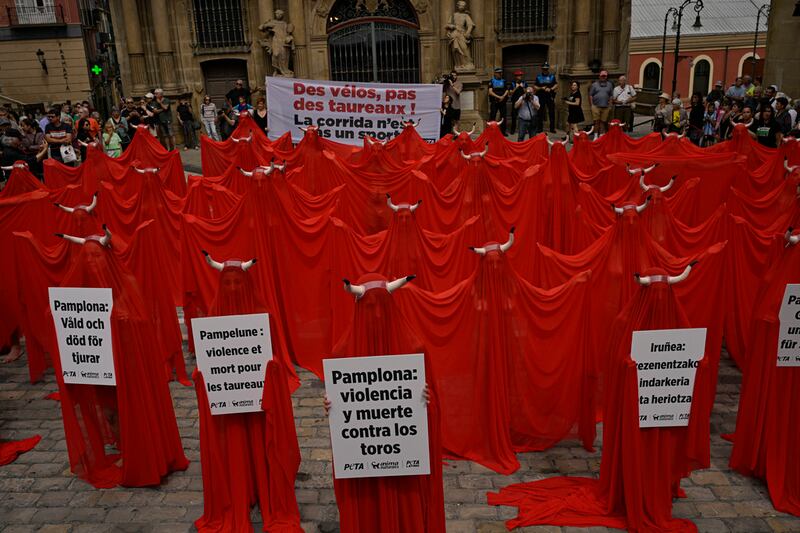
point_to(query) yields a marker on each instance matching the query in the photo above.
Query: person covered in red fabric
(249, 458)
(767, 433)
(640, 469)
(82, 219)
(389, 504)
(126, 434)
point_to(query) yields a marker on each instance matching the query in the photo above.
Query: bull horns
(665, 188)
(267, 170)
(216, 265)
(482, 250)
(639, 208)
(670, 280)
(242, 139)
(395, 207)
(476, 154)
(88, 208)
(104, 240)
(642, 170)
(359, 290)
(410, 122)
(791, 240)
(146, 170)
(373, 141)
(470, 132)
(564, 141)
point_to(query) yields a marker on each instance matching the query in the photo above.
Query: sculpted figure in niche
(279, 43)
(459, 31)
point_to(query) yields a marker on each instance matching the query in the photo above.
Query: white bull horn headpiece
(791, 240)
(470, 132)
(267, 170)
(670, 280)
(88, 208)
(359, 290)
(788, 168)
(103, 240)
(642, 170)
(639, 208)
(242, 139)
(749, 123)
(216, 265)
(564, 141)
(665, 188)
(476, 154)
(374, 141)
(482, 250)
(397, 207)
(499, 122)
(17, 164)
(146, 170)
(410, 122)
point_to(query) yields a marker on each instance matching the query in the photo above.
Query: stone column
(266, 11)
(298, 19)
(133, 41)
(580, 60)
(445, 11)
(611, 16)
(166, 56)
(477, 12)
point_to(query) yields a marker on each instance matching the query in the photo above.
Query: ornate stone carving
(459, 32)
(279, 43)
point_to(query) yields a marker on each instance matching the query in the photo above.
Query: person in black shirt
(717, 94)
(697, 113)
(187, 121)
(498, 98)
(57, 134)
(260, 115)
(448, 116)
(765, 128)
(238, 90)
(10, 143)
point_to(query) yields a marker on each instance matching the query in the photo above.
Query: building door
(527, 57)
(702, 77)
(219, 76)
(373, 41)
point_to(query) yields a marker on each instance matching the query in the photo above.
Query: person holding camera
(527, 108)
(453, 88)
(518, 87)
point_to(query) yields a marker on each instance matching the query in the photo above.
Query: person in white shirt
(623, 97)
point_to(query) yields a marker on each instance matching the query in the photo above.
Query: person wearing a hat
(716, 94)
(662, 113)
(518, 87)
(498, 98)
(680, 118)
(546, 87)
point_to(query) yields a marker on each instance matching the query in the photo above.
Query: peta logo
(354, 466)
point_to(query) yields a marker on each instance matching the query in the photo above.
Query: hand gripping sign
(378, 415)
(666, 364)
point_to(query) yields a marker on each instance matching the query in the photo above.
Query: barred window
(527, 18)
(219, 23)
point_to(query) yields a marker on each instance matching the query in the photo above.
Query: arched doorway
(219, 76)
(373, 40)
(650, 76)
(702, 77)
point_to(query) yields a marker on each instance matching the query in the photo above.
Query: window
(219, 23)
(35, 12)
(652, 73)
(702, 77)
(522, 19)
(377, 43)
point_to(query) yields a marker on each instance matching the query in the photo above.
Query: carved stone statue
(459, 31)
(279, 43)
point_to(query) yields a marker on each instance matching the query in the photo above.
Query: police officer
(545, 86)
(498, 98)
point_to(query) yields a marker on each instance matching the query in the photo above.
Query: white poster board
(82, 317)
(666, 364)
(789, 332)
(346, 112)
(378, 417)
(232, 353)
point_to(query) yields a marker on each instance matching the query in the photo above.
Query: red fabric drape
(11, 449)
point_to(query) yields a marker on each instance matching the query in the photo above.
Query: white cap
(149, 95)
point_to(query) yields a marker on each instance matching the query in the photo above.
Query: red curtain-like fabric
(640, 469)
(402, 503)
(125, 434)
(11, 449)
(767, 433)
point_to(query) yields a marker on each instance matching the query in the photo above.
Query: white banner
(82, 317)
(346, 112)
(789, 332)
(378, 417)
(666, 364)
(232, 353)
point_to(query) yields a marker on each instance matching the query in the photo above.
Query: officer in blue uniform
(545, 86)
(498, 98)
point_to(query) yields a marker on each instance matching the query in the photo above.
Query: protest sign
(232, 353)
(666, 364)
(378, 417)
(789, 332)
(346, 112)
(82, 317)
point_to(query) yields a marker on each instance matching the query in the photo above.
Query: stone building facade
(202, 46)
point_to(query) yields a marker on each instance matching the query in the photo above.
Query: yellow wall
(22, 78)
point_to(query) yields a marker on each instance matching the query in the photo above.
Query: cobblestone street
(38, 492)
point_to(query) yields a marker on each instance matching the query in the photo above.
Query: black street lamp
(698, 7)
(674, 12)
(42, 60)
(764, 9)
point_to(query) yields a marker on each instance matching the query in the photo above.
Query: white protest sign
(346, 112)
(666, 364)
(232, 353)
(82, 317)
(378, 417)
(789, 332)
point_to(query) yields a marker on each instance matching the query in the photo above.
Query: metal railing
(526, 19)
(35, 15)
(219, 24)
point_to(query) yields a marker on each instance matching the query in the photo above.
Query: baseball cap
(546, 65)
(774, 87)
(518, 72)
(665, 96)
(719, 83)
(149, 95)
(4, 122)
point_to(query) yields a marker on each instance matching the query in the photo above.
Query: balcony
(29, 16)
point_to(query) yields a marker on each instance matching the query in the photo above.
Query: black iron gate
(378, 45)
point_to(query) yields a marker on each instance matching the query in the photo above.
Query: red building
(720, 49)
